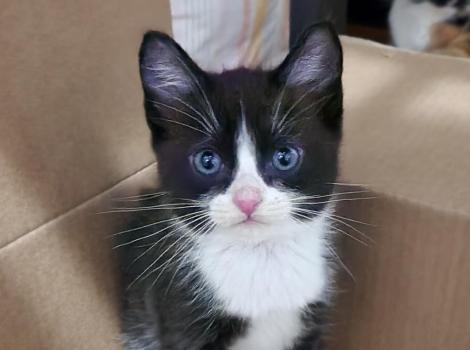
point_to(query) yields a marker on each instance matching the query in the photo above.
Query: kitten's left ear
(316, 62)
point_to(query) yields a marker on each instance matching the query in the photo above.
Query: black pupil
(284, 156)
(207, 160)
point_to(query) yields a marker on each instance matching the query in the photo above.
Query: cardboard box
(73, 137)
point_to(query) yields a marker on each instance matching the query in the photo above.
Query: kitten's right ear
(316, 62)
(166, 70)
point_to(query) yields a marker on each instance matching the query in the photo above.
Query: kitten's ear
(316, 62)
(166, 70)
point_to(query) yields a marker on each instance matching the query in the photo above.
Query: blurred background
(222, 35)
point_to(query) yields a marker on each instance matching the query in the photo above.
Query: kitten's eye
(207, 162)
(286, 158)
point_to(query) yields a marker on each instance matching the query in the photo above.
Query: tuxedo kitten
(234, 251)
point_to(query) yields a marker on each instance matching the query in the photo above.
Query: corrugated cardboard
(73, 136)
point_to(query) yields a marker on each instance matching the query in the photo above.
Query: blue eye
(207, 162)
(286, 158)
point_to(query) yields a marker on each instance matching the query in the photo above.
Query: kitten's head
(252, 147)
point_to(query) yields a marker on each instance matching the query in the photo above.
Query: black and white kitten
(234, 252)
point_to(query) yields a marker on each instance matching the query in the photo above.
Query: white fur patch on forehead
(275, 204)
(246, 154)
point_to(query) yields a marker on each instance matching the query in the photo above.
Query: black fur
(161, 309)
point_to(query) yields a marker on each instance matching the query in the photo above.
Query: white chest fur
(280, 267)
(273, 331)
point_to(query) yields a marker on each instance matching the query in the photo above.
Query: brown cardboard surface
(411, 283)
(58, 283)
(72, 126)
(71, 115)
(407, 124)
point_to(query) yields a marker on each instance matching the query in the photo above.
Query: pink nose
(247, 199)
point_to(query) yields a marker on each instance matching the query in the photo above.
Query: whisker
(156, 223)
(352, 220)
(335, 228)
(346, 184)
(206, 122)
(185, 125)
(286, 114)
(205, 228)
(202, 92)
(337, 200)
(147, 208)
(144, 273)
(166, 264)
(197, 120)
(360, 241)
(140, 197)
(333, 194)
(157, 232)
(278, 106)
(342, 264)
(331, 216)
(290, 124)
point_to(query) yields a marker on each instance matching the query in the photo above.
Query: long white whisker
(278, 107)
(360, 241)
(309, 211)
(286, 114)
(352, 220)
(333, 194)
(335, 228)
(202, 92)
(340, 261)
(185, 125)
(346, 184)
(203, 230)
(160, 256)
(166, 264)
(332, 217)
(288, 124)
(201, 123)
(204, 119)
(140, 197)
(154, 207)
(337, 200)
(157, 223)
(157, 232)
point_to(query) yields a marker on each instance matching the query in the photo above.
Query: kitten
(235, 251)
(412, 22)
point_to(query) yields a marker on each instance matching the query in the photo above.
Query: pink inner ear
(247, 199)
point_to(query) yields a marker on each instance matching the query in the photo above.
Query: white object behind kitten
(411, 22)
(222, 35)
